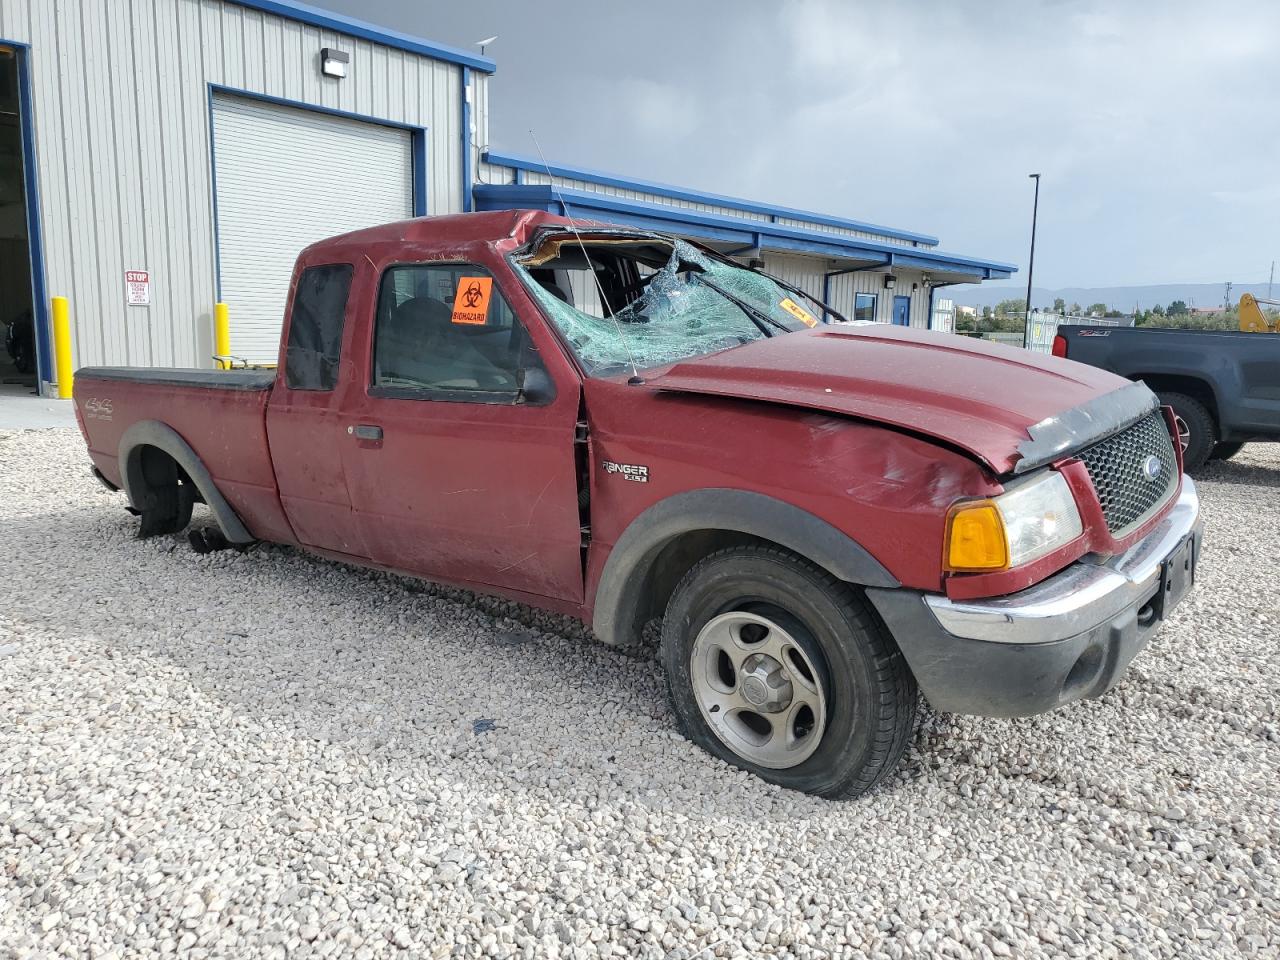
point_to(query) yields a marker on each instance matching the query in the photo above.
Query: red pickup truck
(633, 429)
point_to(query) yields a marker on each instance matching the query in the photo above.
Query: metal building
(160, 156)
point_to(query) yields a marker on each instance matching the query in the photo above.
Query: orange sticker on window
(471, 302)
(799, 312)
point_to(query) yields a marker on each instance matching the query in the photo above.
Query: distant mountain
(1118, 298)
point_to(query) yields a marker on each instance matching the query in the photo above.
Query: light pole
(1031, 265)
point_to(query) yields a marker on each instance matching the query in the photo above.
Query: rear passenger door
(454, 472)
(304, 423)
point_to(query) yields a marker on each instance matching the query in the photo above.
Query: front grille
(1119, 471)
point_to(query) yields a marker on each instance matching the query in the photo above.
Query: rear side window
(315, 329)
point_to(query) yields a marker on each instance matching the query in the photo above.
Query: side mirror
(536, 386)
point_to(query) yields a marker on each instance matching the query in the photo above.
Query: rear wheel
(779, 668)
(1225, 451)
(168, 498)
(1197, 432)
(23, 359)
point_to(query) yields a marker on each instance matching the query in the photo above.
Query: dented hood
(1010, 408)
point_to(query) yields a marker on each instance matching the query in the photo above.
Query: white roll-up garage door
(284, 178)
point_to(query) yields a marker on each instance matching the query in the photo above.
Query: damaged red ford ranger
(824, 518)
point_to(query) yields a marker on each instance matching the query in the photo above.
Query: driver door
(453, 474)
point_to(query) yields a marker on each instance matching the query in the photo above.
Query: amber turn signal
(976, 538)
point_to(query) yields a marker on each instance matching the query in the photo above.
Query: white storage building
(159, 156)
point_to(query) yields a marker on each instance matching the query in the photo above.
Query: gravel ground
(264, 754)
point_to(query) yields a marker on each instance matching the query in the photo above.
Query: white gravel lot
(264, 754)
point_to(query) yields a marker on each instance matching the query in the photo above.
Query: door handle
(366, 431)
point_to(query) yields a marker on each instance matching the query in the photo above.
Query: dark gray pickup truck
(1223, 385)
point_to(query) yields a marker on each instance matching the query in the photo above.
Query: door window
(315, 329)
(446, 332)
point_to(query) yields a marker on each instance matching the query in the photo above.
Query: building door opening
(18, 361)
(902, 311)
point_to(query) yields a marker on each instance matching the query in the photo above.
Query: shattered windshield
(653, 301)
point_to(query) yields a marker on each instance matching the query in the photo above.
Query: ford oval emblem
(1152, 468)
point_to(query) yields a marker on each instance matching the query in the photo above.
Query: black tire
(169, 497)
(870, 692)
(23, 360)
(1202, 431)
(1225, 451)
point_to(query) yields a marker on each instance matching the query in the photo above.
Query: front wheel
(779, 668)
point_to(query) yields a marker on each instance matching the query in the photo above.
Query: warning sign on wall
(137, 288)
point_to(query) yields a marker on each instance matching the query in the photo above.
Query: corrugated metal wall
(803, 272)
(845, 231)
(479, 124)
(120, 96)
(807, 272)
(493, 173)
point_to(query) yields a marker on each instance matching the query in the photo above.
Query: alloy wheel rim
(758, 690)
(1184, 432)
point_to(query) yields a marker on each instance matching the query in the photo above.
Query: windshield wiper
(754, 314)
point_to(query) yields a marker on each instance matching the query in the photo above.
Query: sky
(1153, 125)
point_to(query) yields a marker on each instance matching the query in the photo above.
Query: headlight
(1020, 525)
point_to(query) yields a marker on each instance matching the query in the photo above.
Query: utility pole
(1031, 262)
(1271, 279)
(1226, 301)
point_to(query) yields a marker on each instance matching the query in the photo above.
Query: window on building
(315, 328)
(864, 307)
(446, 332)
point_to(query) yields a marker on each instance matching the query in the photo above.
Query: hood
(1009, 408)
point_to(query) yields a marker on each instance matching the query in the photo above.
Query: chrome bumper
(1090, 592)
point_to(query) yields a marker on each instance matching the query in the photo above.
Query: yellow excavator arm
(1252, 319)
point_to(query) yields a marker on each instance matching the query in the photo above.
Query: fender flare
(153, 433)
(1212, 383)
(619, 597)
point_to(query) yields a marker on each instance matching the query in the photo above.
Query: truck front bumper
(1066, 638)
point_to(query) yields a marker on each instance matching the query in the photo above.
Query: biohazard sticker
(799, 312)
(471, 302)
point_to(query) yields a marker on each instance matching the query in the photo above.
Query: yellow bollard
(62, 346)
(222, 334)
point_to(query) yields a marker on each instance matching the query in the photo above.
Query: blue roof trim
(695, 196)
(710, 226)
(304, 13)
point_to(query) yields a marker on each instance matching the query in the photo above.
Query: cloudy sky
(1154, 125)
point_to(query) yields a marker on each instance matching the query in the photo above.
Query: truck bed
(220, 414)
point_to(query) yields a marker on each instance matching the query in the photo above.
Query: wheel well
(157, 467)
(154, 458)
(676, 558)
(659, 546)
(1193, 387)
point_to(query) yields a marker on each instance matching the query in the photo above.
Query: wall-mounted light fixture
(333, 63)
(890, 281)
